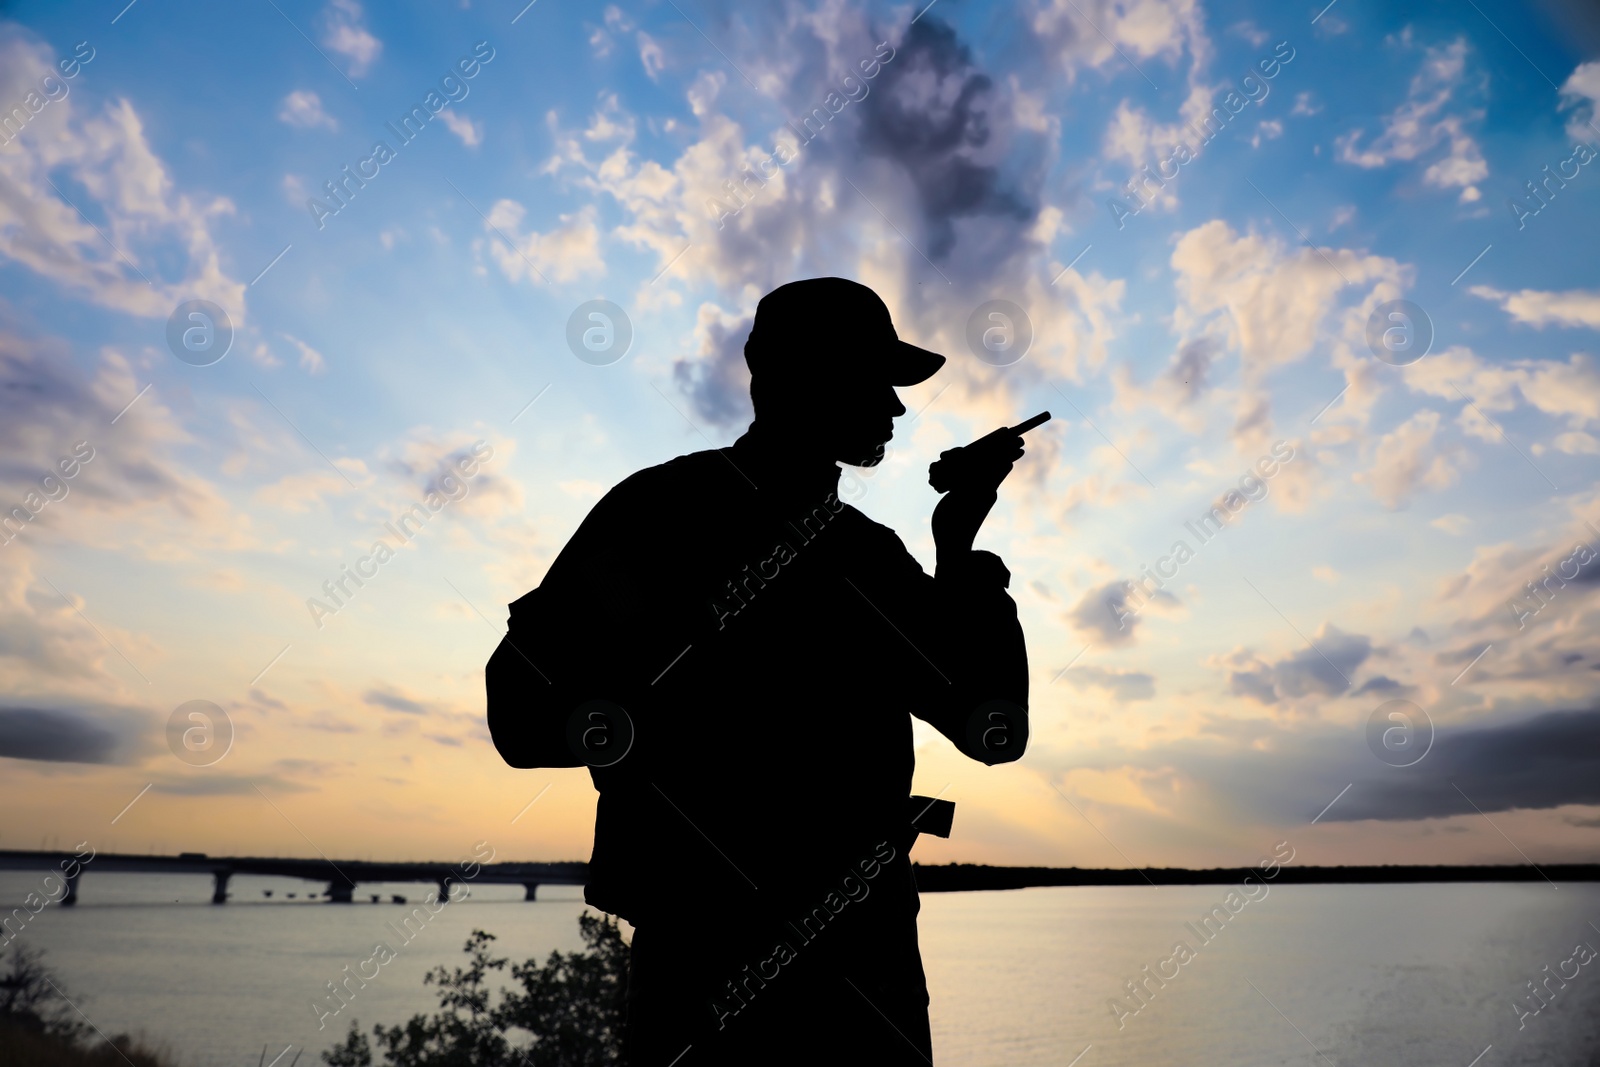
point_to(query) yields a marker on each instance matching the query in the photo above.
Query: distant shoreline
(959, 877)
(936, 878)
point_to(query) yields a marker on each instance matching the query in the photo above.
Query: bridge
(341, 876)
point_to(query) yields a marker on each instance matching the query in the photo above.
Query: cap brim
(909, 365)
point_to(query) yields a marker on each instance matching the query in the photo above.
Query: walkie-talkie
(957, 465)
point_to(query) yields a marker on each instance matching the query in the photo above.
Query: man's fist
(982, 465)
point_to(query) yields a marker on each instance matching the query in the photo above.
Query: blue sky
(985, 158)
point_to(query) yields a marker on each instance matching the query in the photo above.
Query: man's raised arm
(969, 619)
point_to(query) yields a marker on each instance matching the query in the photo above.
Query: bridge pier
(219, 886)
(444, 889)
(530, 890)
(72, 889)
(341, 893)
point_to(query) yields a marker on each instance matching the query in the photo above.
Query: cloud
(393, 700)
(214, 784)
(345, 32)
(610, 121)
(1581, 93)
(470, 133)
(151, 247)
(132, 496)
(1407, 460)
(1191, 363)
(133, 487)
(294, 189)
(928, 131)
(1569, 390)
(1269, 301)
(311, 361)
(1304, 104)
(930, 113)
(1104, 617)
(1503, 582)
(1577, 443)
(1178, 387)
(297, 493)
(303, 108)
(260, 699)
(100, 735)
(1383, 686)
(651, 56)
(1417, 126)
(616, 22)
(1139, 141)
(426, 458)
(1326, 669)
(1124, 686)
(1573, 307)
(953, 159)
(567, 252)
(1258, 771)
(1266, 130)
(1095, 33)
(1250, 32)
(1546, 761)
(717, 380)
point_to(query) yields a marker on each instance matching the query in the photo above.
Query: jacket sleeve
(583, 635)
(528, 712)
(965, 625)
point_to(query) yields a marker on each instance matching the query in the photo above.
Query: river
(1331, 975)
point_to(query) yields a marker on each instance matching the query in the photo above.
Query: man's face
(861, 422)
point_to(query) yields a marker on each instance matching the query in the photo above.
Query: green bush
(567, 1012)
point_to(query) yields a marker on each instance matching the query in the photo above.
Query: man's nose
(896, 409)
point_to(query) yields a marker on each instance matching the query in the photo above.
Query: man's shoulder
(873, 537)
(679, 480)
(640, 517)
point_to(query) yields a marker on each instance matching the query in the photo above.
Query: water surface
(1331, 975)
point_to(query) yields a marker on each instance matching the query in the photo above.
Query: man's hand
(958, 516)
(956, 520)
(981, 465)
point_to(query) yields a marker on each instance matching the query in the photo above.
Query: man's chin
(871, 458)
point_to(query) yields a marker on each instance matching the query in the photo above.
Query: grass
(27, 1046)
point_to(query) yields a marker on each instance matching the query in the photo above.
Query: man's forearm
(956, 519)
(971, 625)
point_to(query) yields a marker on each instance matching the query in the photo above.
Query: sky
(1201, 216)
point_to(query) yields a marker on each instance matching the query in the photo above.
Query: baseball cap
(832, 324)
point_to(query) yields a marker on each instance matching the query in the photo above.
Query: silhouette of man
(736, 653)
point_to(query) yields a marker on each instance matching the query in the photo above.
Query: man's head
(824, 359)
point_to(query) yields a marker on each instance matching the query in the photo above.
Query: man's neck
(788, 465)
